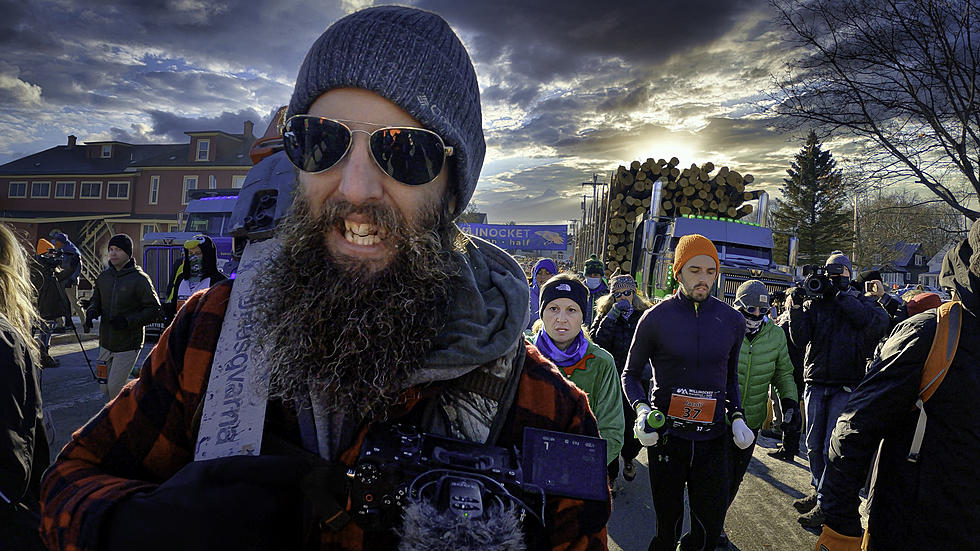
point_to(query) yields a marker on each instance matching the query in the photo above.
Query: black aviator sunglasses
(412, 156)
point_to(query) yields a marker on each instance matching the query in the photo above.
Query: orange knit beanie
(690, 246)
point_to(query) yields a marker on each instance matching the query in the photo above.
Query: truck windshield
(747, 253)
(209, 223)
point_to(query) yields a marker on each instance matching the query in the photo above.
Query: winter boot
(813, 520)
(782, 454)
(805, 504)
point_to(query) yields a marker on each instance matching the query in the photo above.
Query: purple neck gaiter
(562, 358)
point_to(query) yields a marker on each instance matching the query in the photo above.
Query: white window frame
(106, 151)
(147, 228)
(10, 186)
(91, 183)
(37, 182)
(187, 179)
(118, 183)
(206, 149)
(71, 196)
(212, 182)
(154, 190)
(237, 181)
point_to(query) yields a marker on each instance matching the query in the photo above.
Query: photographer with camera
(869, 283)
(69, 274)
(52, 303)
(373, 309)
(125, 300)
(837, 327)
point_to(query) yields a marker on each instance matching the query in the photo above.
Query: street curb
(69, 336)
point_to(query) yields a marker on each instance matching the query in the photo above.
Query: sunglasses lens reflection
(314, 144)
(411, 156)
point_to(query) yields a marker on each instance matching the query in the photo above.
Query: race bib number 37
(692, 409)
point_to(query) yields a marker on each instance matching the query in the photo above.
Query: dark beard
(345, 332)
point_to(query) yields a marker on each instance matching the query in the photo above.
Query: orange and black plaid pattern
(145, 435)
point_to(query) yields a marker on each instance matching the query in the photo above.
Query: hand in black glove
(792, 420)
(243, 502)
(89, 317)
(119, 323)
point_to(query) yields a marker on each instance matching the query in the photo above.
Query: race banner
(518, 237)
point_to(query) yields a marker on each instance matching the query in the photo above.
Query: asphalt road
(761, 519)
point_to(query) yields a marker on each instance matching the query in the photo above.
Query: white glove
(645, 438)
(742, 434)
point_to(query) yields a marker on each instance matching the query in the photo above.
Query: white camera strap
(238, 389)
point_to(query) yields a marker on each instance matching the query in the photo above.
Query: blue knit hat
(415, 60)
(838, 257)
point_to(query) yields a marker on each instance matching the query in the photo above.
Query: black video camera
(399, 464)
(817, 282)
(51, 259)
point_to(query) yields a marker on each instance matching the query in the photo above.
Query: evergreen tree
(814, 204)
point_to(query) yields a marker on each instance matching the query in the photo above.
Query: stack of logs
(691, 190)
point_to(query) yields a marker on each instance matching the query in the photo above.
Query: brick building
(93, 190)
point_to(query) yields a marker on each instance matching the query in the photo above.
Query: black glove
(119, 323)
(795, 422)
(87, 324)
(243, 502)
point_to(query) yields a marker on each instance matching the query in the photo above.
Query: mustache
(384, 217)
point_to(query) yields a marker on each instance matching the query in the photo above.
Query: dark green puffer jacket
(762, 361)
(128, 293)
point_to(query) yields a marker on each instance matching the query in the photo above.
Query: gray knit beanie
(838, 257)
(415, 60)
(752, 293)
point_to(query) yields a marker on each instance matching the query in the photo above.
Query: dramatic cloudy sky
(570, 88)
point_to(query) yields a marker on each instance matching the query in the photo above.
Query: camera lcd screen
(569, 465)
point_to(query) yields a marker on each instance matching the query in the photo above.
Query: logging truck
(745, 249)
(652, 204)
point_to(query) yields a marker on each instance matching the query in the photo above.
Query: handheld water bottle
(655, 420)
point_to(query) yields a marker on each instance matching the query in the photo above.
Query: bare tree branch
(901, 74)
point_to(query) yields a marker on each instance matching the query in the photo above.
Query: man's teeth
(361, 233)
(361, 239)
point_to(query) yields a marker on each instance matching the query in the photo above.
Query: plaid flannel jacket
(147, 433)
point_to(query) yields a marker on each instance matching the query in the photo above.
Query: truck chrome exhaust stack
(763, 208)
(655, 195)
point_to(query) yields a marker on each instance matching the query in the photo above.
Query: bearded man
(376, 310)
(691, 341)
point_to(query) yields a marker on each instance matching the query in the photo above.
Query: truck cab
(208, 213)
(745, 251)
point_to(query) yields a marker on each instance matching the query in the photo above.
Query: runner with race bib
(687, 346)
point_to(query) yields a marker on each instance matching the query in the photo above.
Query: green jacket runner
(764, 360)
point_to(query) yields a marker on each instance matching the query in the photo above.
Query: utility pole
(594, 236)
(854, 248)
(581, 242)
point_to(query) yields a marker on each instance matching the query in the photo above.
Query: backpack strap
(949, 320)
